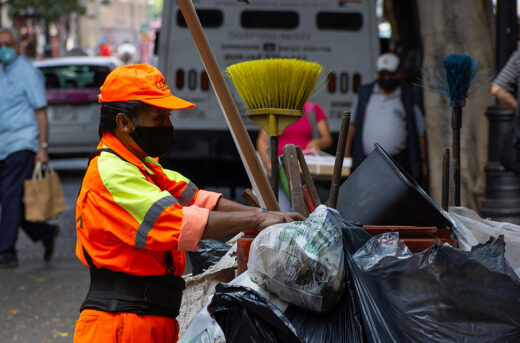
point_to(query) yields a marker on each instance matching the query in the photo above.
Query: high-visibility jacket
(130, 214)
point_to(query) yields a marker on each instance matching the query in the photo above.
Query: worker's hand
(291, 216)
(42, 156)
(275, 217)
(313, 145)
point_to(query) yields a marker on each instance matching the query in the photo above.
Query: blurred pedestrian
(104, 48)
(387, 113)
(23, 133)
(28, 42)
(506, 88)
(126, 52)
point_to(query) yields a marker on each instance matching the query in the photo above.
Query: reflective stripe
(150, 218)
(187, 194)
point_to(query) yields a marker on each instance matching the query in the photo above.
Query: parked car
(72, 86)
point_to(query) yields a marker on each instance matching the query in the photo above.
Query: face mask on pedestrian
(388, 84)
(7, 54)
(155, 141)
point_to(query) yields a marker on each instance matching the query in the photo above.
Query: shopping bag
(43, 194)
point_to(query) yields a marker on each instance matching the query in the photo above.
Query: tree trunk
(462, 27)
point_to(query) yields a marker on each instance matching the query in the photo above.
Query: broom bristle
(274, 83)
(459, 72)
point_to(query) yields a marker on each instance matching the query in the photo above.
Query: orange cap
(141, 82)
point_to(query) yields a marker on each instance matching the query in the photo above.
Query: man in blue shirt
(23, 133)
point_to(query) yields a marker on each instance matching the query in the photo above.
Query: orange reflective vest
(129, 214)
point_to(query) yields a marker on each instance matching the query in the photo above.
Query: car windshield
(74, 76)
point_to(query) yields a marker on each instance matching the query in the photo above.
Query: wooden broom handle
(240, 135)
(338, 163)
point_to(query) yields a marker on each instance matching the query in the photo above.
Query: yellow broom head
(275, 83)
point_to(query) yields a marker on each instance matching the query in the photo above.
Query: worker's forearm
(43, 124)
(222, 223)
(227, 223)
(225, 205)
(505, 98)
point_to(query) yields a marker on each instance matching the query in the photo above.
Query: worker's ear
(124, 123)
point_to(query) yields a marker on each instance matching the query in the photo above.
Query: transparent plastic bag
(471, 230)
(203, 329)
(301, 262)
(378, 247)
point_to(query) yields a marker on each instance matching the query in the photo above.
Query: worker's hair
(13, 32)
(109, 111)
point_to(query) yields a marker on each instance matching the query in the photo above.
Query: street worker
(23, 133)
(387, 113)
(135, 219)
(505, 88)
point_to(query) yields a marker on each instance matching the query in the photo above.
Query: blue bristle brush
(459, 71)
(454, 80)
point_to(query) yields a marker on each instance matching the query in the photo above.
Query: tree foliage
(48, 10)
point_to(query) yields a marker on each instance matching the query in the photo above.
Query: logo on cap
(161, 85)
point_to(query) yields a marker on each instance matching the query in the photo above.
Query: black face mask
(388, 84)
(154, 140)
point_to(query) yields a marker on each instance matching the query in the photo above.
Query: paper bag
(43, 195)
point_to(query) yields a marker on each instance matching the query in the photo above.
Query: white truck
(339, 34)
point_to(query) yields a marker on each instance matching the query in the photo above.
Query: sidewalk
(40, 303)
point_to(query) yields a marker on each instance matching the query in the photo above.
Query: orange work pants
(104, 327)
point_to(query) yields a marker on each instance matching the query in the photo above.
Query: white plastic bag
(471, 230)
(301, 262)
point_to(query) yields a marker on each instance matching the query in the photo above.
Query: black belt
(112, 291)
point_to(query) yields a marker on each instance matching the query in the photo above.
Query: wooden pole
(338, 164)
(456, 124)
(311, 187)
(275, 173)
(446, 180)
(240, 135)
(295, 180)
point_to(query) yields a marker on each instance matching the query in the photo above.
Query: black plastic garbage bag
(439, 295)
(342, 324)
(246, 316)
(209, 252)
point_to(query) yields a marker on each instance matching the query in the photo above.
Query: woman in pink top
(299, 133)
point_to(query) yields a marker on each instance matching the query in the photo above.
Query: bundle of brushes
(454, 80)
(274, 92)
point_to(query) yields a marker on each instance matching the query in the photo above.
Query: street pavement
(39, 303)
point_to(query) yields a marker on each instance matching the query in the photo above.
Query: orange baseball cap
(141, 82)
